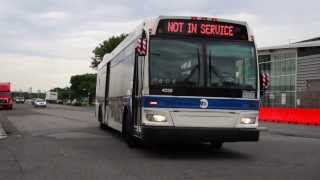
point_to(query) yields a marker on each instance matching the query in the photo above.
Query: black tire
(128, 131)
(102, 125)
(216, 145)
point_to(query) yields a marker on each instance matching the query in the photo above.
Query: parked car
(33, 100)
(28, 101)
(68, 102)
(75, 102)
(59, 101)
(39, 103)
(20, 100)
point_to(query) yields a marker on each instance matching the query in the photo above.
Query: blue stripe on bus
(194, 103)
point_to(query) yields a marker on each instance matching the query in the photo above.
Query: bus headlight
(156, 118)
(247, 120)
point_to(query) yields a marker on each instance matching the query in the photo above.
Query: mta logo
(204, 103)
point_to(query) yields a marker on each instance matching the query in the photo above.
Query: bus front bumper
(184, 134)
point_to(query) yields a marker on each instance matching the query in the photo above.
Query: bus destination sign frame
(202, 28)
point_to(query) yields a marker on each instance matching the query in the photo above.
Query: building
(294, 71)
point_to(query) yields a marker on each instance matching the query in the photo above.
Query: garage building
(294, 71)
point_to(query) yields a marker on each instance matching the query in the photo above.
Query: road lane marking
(3, 134)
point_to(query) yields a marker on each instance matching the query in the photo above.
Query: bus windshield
(231, 66)
(216, 68)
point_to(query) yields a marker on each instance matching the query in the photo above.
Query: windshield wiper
(214, 70)
(195, 68)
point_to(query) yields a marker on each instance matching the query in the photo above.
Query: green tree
(63, 93)
(83, 85)
(105, 47)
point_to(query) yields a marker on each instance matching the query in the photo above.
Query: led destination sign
(202, 28)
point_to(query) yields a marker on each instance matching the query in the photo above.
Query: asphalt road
(61, 142)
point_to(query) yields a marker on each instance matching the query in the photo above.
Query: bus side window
(138, 75)
(135, 76)
(107, 82)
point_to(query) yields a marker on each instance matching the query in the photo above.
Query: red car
(5, 96)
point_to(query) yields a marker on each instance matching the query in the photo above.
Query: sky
(44, 42)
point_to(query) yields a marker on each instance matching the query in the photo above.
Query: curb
(295, 130)
(293, 134)
(291, 122)
(263, 129)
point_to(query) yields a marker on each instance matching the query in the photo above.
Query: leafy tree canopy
(83, 85)
(105, 47)
(63, 93)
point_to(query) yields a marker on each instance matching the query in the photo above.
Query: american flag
(265, 80)
(142, 46)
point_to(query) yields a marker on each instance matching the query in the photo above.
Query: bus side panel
(100, 89)
(121, 82)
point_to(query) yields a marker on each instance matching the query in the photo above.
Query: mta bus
(181, 79)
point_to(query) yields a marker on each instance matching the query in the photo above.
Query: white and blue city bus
(182, 79)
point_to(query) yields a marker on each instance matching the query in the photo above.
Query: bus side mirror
(141, 48)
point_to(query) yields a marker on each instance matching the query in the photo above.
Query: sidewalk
(292, 130)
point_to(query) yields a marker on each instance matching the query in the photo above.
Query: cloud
(50, 35)
(242, 16)
(55, 15)
(41, 73)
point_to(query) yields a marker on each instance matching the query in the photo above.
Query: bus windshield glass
(231, 66)
(175, 63)
(202, 67)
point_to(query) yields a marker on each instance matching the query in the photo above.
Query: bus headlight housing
(247, 120)
(156, 117)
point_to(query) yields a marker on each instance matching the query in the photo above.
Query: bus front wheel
(128, 131)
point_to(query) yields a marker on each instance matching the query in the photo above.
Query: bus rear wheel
(102, 125)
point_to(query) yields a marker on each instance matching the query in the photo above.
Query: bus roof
(201, 18)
